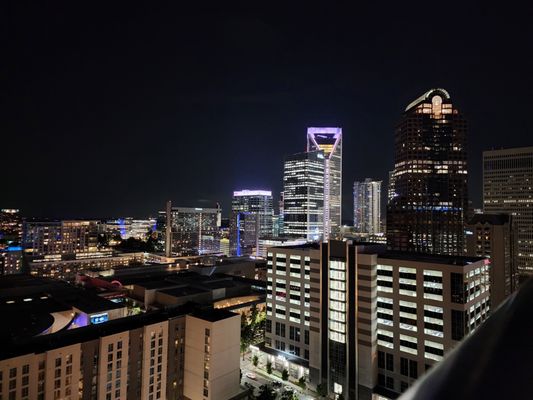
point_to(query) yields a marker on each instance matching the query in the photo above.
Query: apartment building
(288, 307)
(375, 320)
(426, 304)
(141, 357)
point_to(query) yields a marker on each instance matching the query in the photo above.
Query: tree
(269, 367)
(253, 314)
(322, 389)
(285, 374)
(266, 392)
(301, 382)
(255, 360)
(244, 321)
(244, 347)
(289, 395)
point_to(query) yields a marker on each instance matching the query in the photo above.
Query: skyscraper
(251, 218)
(508, 188)
(391, 190)
(10, 227)
(303, 191)
(367, 206)
(42, 238)
(329, 140)
(430, 205)
(493, 236)
(195, 230)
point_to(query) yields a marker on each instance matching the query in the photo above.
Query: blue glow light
(122, 227)
(99, 318)
(14, 248)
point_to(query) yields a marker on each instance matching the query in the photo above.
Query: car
(288, 389)
(251, 375)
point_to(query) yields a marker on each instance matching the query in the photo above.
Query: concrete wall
(222, 358)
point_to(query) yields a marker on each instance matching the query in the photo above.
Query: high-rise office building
(130, 227)
(367, 206)
(493, 236)
(362, 320)
(391, 190)
(329, 141)
(251, 218)
(42, 238)
(430, 206)
(508, 188)
(10, 227)
(194, 230)
(303, 195)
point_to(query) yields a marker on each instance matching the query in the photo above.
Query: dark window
(408, 275)
(406, 343)
(268, 326)
(385, 305)
(389, 383)
(381, 359)
(385, 338)
(433, 290)
(306, 337)
(403, 386)
(405, 286)
(413, 369)
(390, 362)
(384, 283)
(404, 366)
(435, 327)
(388, 317)
(457, 288)
(458, 325)
(381, 380)
(433, 350)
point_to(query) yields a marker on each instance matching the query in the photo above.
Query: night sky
(112, 109)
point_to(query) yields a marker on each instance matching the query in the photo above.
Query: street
(263, 378)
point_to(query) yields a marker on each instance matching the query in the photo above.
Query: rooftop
(28, 303)
(15, 345)
(310, 245)
(493, 219)
(213, 314)
(430, 258)
(183, 291)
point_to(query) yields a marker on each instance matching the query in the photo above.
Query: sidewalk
(260, 370)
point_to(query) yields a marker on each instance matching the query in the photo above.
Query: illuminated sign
(240, 193)
(469, 232)
(99, 318)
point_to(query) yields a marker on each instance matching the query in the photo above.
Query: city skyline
(262, 95)
(242, 201)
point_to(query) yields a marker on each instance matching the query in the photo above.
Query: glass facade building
(367, 206)
(429, 208)
(195, 231)
(303, 195)
(251, 218)
(329, 141)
